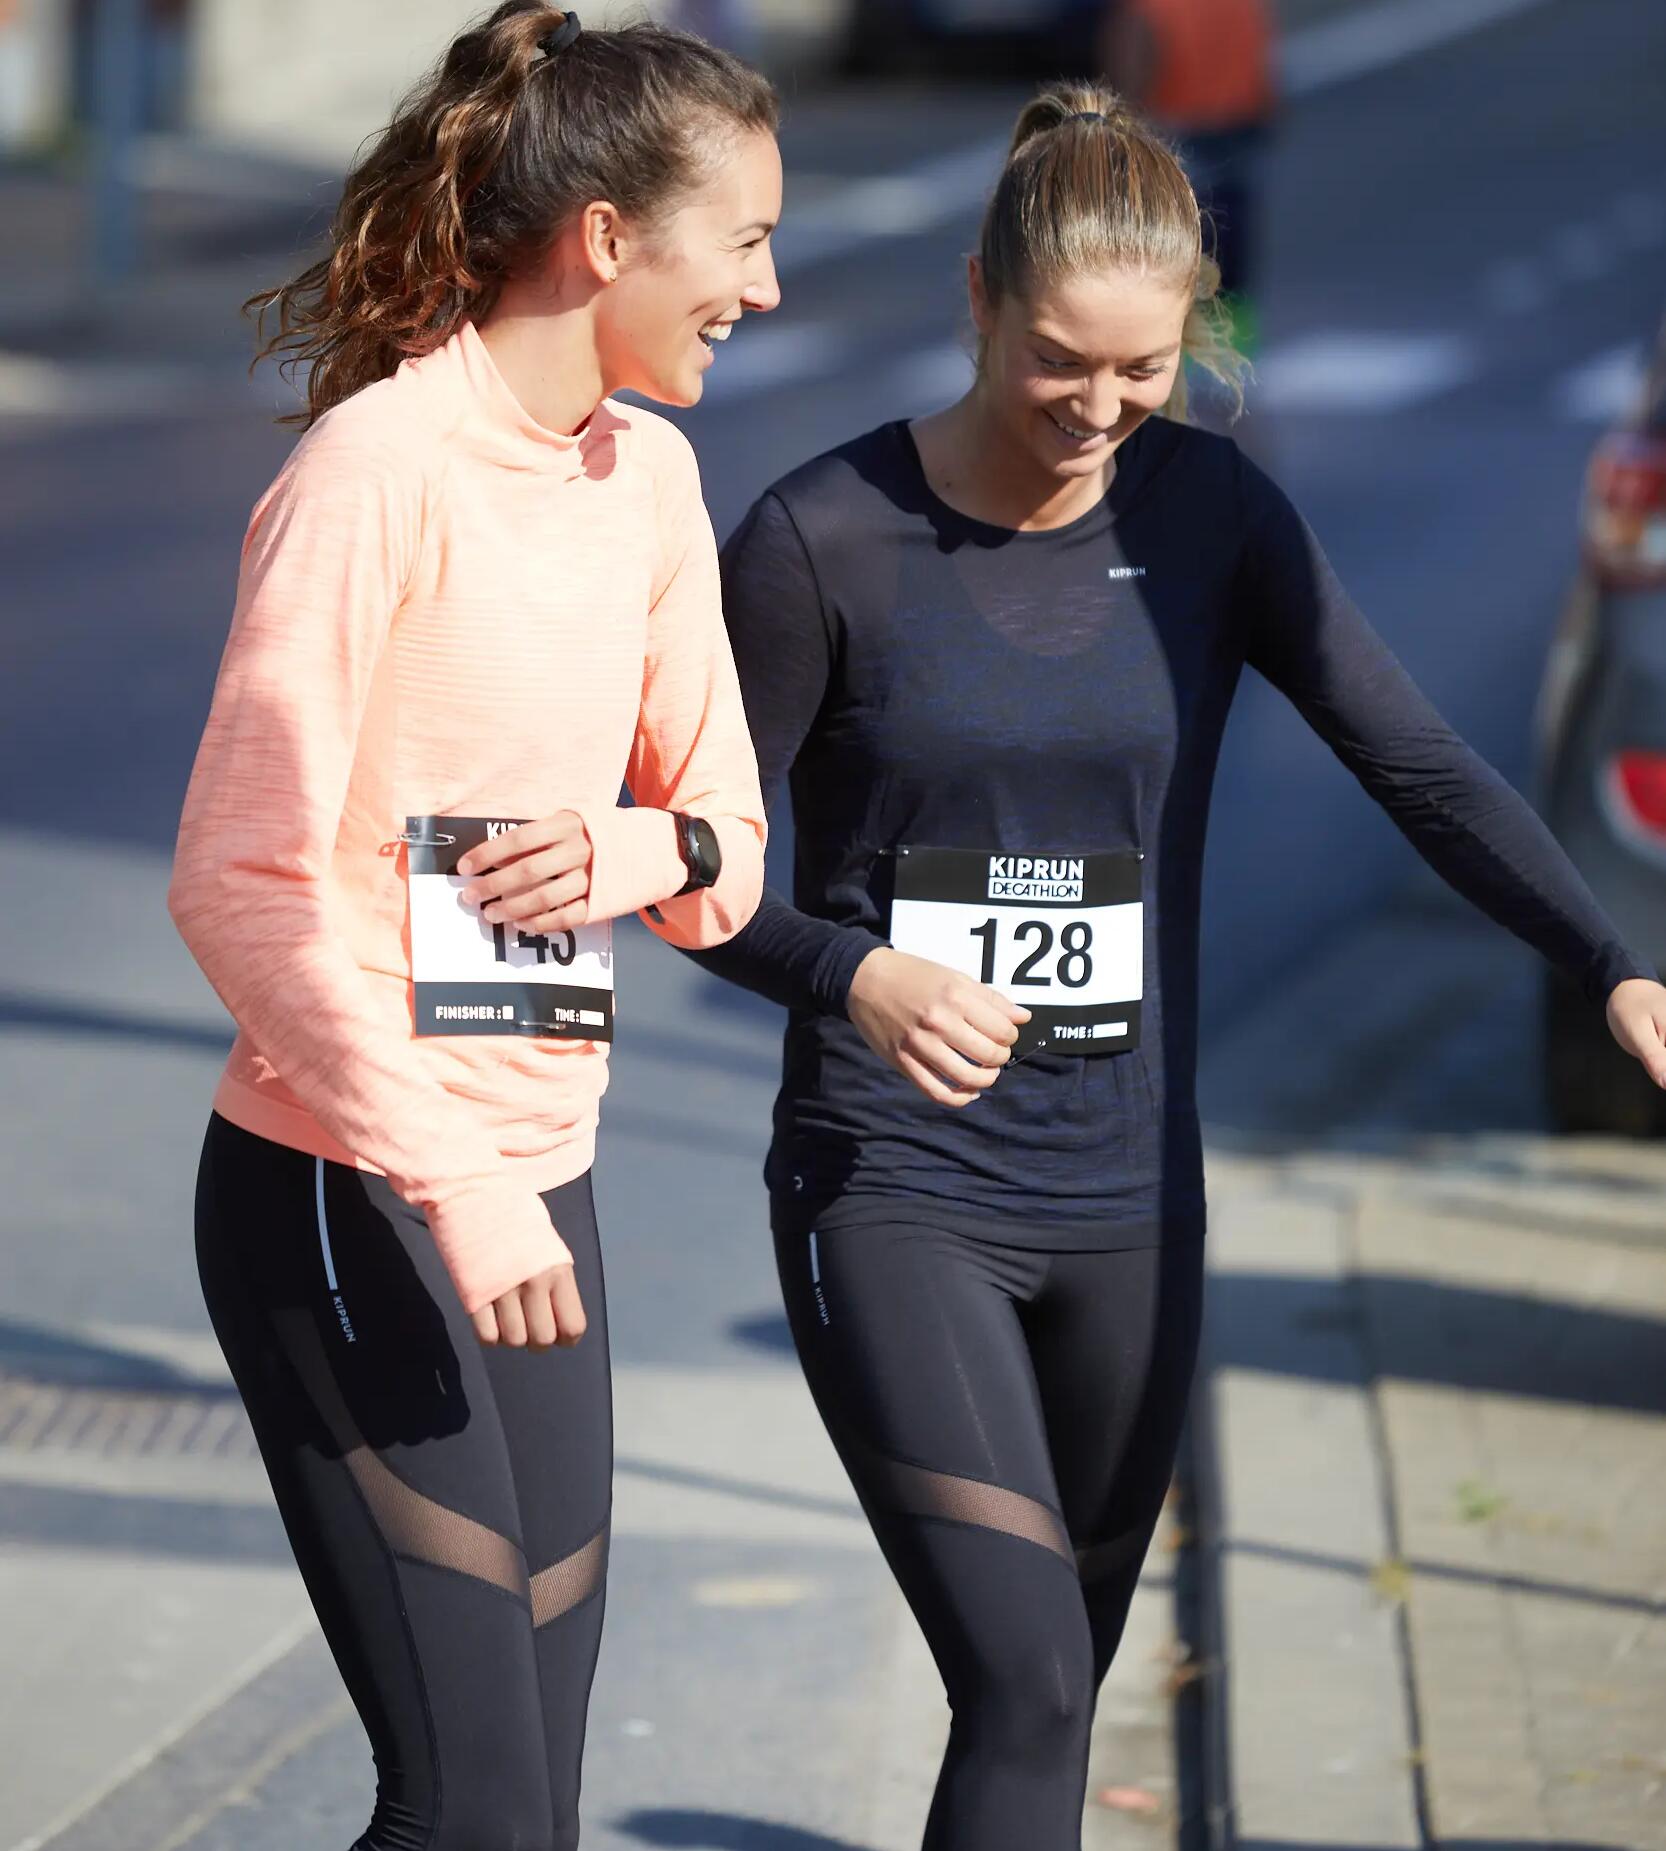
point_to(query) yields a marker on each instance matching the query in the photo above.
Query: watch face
(701, 854)
(707, 855)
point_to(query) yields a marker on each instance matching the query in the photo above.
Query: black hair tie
(1086, 115)
(562, 36)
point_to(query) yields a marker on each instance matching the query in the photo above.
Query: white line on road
(1384, 35)
(898, 205)
(762, 355)
(1604, 389)
(1359, 371)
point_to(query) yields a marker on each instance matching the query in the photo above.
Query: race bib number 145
(474, 978)
(1061, 934)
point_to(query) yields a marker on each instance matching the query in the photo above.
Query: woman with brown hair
(481, 591)
(992, 652)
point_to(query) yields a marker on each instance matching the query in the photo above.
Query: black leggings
(1009, 1419)
(447, 1503)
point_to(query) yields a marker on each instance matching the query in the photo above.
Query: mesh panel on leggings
(1101, 1559)
(414, 1526)
(571, 1581)
(919, 1493)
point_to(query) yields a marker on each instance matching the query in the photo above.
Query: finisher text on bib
(1061, 934)
(473, 978)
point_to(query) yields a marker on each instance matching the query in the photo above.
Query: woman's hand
(535, 877)
(540, 1312)
(947, 1034)
(1637, 1017)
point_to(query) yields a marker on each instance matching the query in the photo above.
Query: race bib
(1061, 934)
(474, 978)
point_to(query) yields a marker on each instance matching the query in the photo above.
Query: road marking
(1384, 35)
(1603, 390)
(1337, 371)
(762, 356)
(33, 387)
(899, 205)
(754, 1591)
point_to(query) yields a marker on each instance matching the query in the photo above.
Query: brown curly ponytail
(1089, 185)
(499, 147)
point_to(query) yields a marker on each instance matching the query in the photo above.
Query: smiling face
(1069, 372)
(680, 293)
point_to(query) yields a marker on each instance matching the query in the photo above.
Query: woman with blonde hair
(481, 595)
(992, 653)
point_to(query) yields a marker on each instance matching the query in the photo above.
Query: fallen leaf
(1477, 1503)
(1390, 1581)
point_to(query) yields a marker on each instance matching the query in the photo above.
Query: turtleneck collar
(495, 421)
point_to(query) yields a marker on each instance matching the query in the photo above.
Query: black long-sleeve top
(920, 677)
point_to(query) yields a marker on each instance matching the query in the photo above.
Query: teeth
(717, 330)
(1071, 431)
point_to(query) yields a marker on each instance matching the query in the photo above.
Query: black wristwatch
(697, 844)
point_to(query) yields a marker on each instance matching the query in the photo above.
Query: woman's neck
(546, 355)
(980, 472)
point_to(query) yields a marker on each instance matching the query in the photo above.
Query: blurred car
(1602, 733)
(1051, 37)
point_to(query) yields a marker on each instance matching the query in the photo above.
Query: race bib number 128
(474, 978)
(1061, 934)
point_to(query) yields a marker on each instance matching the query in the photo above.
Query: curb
(1203, 1739)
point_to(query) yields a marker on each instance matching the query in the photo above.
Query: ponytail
(517, 129)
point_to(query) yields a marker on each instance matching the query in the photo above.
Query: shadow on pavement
(1489, 1342)
(764, 1330)
(51, 1358)
(156, 1031)
(1418, 1331)
(182, 1529)
(721, 1831)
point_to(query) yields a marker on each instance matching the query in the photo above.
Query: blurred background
(1424, 1497)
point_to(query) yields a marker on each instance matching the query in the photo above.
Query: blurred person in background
(164, 59)
(480, 590)
(993, 652)
(1204, 73)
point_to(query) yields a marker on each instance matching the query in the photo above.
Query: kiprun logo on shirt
(1036, 877)
(1125, 571)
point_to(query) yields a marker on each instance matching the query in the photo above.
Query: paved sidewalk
(1441, 1447)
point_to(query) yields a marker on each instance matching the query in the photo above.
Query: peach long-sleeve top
(445, 609)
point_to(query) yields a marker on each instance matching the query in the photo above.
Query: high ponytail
(483, 164)
(1089, 186)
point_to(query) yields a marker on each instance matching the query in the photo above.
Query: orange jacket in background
(1213, 62)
